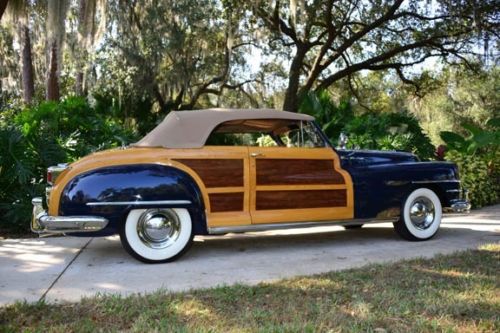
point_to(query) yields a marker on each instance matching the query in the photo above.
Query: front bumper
(42, 223)
(461, 205)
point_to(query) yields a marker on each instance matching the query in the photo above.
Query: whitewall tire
(420, 216)
(157, 235)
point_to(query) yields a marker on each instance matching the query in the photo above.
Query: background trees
(186, 54)
(331, 40)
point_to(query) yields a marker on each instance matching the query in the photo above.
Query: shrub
(370, 130)
(19, 179)
(74, 125)
(480, 175)
(41, 136)
(478, 158)
(389, 131)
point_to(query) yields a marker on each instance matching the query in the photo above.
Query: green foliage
(477, 138)
(370, 130)
(389, 131)
(455, 96)
(480, 175)
(19, 178)
(74, 125)
(41, 136)
(478, 158)
(331, 117)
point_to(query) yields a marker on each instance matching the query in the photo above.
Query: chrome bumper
(459, 206)
(42, 223)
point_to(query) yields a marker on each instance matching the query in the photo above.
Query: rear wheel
(157, 235)
(421, 216)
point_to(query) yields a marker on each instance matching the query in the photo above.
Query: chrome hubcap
(158, 228)
(422, 213)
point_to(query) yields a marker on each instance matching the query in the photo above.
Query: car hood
(373, 157)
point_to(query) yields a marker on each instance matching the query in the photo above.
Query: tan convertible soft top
(190, 129)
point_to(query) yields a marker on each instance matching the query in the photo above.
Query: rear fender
(113, 191)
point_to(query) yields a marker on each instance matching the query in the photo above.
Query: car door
(300, 181)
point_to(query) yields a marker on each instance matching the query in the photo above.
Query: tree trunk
(291, 102)
(86, 31)
(79, 83)
(28, 80)
(3, 5)
(55, 29)
(53, 73)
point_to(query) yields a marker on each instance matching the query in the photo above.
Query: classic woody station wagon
(219, 171)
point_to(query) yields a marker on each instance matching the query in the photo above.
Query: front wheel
(157, 235)
(421, 216)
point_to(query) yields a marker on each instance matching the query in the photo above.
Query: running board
(293, 225)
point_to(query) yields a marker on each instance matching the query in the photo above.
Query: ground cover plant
(449, 293)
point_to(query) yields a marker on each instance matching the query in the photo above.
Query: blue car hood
(374, 157)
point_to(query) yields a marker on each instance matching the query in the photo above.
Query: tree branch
(370, 63)
(350, 41)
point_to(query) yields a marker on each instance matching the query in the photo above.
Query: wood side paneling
(217, 172)
(226, 202)
(270, 200)
(296, 172)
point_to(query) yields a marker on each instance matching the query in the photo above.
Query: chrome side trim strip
(454, 191)
(435, 181)
(293, 225)
(140, 203)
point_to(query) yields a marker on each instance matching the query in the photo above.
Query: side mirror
(343, 139)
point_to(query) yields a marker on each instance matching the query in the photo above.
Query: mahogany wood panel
(266, 200)
(226, 202)
(297, 172)
(217, 172)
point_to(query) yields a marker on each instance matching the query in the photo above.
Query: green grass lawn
(458, 292)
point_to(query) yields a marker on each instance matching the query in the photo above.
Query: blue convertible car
(219, 171)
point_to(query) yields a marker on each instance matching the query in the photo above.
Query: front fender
(111, 192)
(380, 188)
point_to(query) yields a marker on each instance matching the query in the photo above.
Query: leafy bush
(41, 136)
(384, 131)
(479, 176)
(477, 138)
(478, 157)
(74, 125)
(19, 179)
(331, 117)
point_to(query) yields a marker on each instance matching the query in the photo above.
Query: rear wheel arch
(189, 188)
(197, 212)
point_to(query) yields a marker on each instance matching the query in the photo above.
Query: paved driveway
(66, 268)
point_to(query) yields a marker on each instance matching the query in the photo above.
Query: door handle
(256, 154)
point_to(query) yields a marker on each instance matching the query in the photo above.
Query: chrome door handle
(256, 154)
